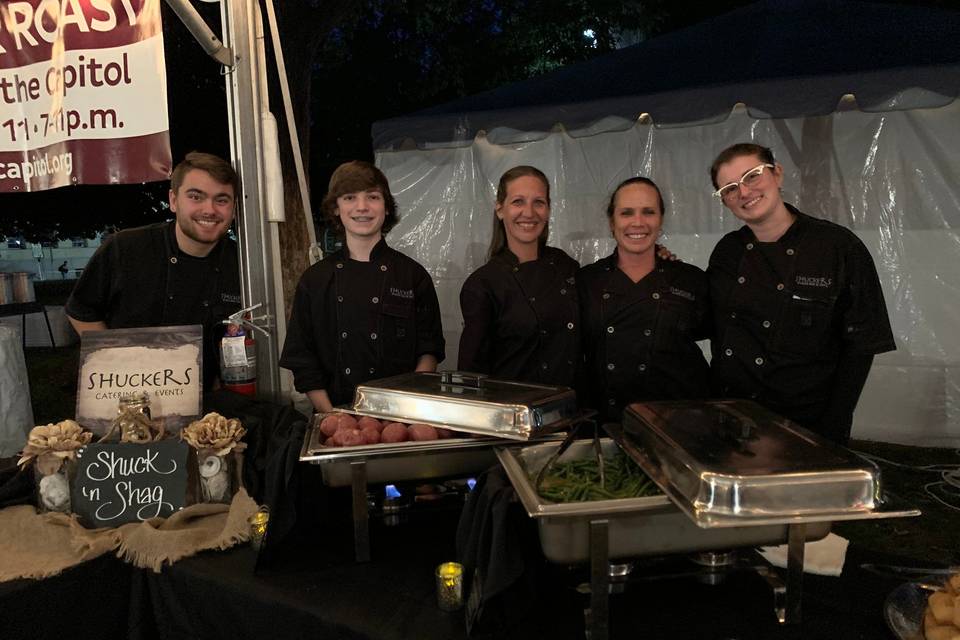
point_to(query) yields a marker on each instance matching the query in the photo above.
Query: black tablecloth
(315, 589)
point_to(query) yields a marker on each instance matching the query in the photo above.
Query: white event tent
(857, 101)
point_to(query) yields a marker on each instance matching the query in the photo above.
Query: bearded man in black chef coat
(170, 273)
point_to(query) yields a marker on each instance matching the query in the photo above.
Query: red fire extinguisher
(238, 356)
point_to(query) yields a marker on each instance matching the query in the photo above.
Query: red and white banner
(83, 93)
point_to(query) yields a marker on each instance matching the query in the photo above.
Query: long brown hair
(498, 241)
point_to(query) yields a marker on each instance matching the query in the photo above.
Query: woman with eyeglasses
(641, 314)
(520, 315)
(797, 304)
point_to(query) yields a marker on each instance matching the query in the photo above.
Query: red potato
(367, 422)
(329, 425)
(347, 422)
(371, 435)
(334, 440)
(333, 423)
(443, 434)
(394, 432)
(351, 437)
(422, 432)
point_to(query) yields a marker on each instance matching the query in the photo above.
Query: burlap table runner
(39, 546)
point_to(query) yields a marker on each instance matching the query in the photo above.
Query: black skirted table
(312, 588)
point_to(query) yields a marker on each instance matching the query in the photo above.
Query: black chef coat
(140, 278)
(355, 321)
(639, 338)
(520, 320)
(788, 312)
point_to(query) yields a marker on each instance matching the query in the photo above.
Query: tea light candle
(258, 526)
(450, 586)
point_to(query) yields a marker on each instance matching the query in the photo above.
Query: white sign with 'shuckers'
(164, 362)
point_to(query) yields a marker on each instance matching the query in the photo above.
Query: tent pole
(255, 233)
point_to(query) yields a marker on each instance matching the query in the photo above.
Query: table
(23, 309)
(314, 588)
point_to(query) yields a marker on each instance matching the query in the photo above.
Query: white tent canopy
(891, 175)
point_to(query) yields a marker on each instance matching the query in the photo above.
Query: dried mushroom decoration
(52, 444)
(214, 435)
(215, 438)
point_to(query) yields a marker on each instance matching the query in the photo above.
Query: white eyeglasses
(750, 178)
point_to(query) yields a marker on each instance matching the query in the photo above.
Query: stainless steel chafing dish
(469, 403)
(488, 410)
(733, 475)
(638, 527)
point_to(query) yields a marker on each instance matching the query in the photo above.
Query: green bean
(579, 480)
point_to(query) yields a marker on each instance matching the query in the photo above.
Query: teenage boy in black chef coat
(798, 309)
(170, 273)
(366, 311)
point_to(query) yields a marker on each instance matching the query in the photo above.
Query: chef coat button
(609, 329)
(216, 269)
(205, 303)
(515, 269)
(347, 371)
(343, 335)
(606, 296)
(728, 352)
(655, 296)
(339, 265)
(383, 267)
(647, 332)
(372, 370)
(173, 259)
(543, 332)
(642, 367)
(741, 279)
(749, 245)
(373, 336)
(611, 366)
(766, 324)
(570, 325)
(532, 299)
(849, 329)
(733, 315)
(780, 287)
(612, 401)
(170, 297)
(339, 298)
(544, 366)
(759, 361)
(790, 252)
(563, 292)
(376, 300)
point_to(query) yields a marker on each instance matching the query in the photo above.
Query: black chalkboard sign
(125, 482)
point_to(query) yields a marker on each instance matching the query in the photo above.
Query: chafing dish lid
(734, 459)
(468, 402)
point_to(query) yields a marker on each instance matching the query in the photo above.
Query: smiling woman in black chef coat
(797, 302)
(520, 315)
(366, 311)
(641, 315)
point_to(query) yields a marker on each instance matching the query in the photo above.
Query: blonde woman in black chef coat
(641, 315)
(520, 315)
(366, 311)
